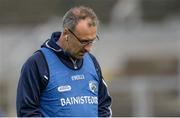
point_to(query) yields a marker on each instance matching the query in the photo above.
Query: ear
(66, 37)
(65, 31)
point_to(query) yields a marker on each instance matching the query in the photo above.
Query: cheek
(74, 47)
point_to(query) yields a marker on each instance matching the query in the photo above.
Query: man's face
(80, 41)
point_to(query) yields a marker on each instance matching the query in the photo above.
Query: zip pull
(75, 66)
(74, 63)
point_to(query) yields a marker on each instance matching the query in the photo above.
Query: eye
(86, 41)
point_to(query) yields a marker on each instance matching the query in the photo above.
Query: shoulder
(36, 63)
(34, 60)
(35, 69)
(96, 64)
(93, 57)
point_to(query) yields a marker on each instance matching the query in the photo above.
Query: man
(63, 79)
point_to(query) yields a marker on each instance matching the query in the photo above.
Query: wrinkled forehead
(87, 22)
(85, 26)
(84, 30)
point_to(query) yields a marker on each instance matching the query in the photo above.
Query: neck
(61, 43)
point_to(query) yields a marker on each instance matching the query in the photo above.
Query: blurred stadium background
(139, 50)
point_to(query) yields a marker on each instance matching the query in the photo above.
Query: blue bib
(70, 93)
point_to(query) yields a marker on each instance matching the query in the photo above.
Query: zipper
(74, 63)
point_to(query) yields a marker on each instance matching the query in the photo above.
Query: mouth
(81, 54)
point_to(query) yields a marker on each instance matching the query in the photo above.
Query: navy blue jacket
(33, 81)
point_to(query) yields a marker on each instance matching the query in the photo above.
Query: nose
(88, 47)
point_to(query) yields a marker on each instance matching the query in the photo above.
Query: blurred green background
(139, 50)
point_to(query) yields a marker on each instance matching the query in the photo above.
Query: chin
(79, 56)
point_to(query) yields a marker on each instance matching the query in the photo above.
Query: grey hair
(74, 15)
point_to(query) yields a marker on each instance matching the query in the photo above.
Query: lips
(81, 54)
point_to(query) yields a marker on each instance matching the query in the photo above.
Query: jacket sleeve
(104, 98)
(31, 83)
(104, 103)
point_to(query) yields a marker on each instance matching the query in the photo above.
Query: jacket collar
(64, 56)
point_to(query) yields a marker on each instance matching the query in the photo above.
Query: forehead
(83, 28)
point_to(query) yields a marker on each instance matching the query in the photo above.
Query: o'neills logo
(79, 100)
(64, 88)
(77, 77)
